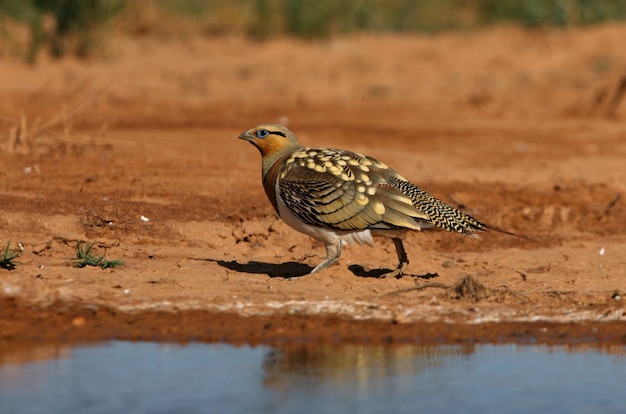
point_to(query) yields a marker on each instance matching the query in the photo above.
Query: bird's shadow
(290, 270)
(360, 271)
(286, 270)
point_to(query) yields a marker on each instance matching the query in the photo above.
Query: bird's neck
(270, 174)
(271, 159)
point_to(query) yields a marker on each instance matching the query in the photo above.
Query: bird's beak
(246, 136)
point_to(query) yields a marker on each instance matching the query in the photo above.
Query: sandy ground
(137, 152)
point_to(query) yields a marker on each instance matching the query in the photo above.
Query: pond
(143, 377)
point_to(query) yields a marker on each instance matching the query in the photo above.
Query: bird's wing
(345, 191)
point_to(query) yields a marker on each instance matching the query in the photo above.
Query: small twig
(64, 240)
(418, 288)
(41, 247)
(612, 203)
(65, 116)
(616, 98)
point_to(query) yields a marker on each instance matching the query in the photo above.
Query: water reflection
(149, 377)
(13, 361)
(18, 355)
(355, 366)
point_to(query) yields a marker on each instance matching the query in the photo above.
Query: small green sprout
(8, 258)
(86, 257)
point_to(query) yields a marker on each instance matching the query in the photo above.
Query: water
(126, 377)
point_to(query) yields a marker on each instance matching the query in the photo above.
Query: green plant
(8, 258)
(85, 256)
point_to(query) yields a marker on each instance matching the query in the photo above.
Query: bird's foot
(397, 273)
(325, 264)
(333, 251)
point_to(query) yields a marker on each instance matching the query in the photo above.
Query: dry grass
(55, 134)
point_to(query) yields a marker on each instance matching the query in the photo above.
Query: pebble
(448, 264)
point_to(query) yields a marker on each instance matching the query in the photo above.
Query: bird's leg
(333, 251)
(402, 258)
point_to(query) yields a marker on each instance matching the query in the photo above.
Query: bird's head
(271, 139)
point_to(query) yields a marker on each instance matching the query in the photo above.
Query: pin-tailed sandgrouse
(340, 197)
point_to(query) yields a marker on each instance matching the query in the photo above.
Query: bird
(340, 197)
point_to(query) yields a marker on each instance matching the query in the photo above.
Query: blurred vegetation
(60, 25)
(75, 26)
(322, 18)
(556, 13)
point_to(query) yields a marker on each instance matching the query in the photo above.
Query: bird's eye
(262, 133)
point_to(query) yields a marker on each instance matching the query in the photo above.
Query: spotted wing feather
(341, 190)
(347, 191)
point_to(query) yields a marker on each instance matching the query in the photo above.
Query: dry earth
(137, 152)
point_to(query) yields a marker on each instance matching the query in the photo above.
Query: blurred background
(488, 57)
(79, 26)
